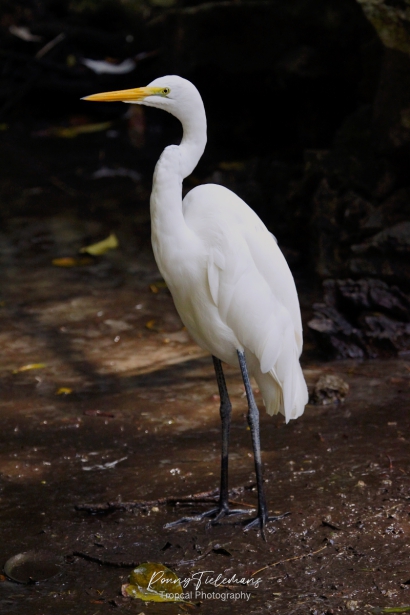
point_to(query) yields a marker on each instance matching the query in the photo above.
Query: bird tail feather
(283, 388)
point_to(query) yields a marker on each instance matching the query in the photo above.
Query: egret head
(172, 93)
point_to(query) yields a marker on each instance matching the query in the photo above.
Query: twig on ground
(290, 559)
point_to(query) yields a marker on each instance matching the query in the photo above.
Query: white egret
(229, 280)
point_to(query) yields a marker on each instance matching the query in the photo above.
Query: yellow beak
(135, 94)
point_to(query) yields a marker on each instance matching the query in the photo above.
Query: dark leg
(253, 420)
(225, 410)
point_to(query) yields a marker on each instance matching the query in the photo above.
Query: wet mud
(106, 399)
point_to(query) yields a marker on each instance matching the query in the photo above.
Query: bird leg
(225, 409)
(262, 516)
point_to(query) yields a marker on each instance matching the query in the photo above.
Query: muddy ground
(122, 406)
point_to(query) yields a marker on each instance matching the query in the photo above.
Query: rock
(342, 218)
(329, 389)
(359, 212)
(384, 255)
(352, 295)
(362, 318)
(396, 207)
(335, 335)
(391, 21)
(391, 240)
(350, 234)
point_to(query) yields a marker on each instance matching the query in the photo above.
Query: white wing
(253, 289)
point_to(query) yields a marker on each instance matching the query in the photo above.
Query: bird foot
(260, 521)
(218, 514)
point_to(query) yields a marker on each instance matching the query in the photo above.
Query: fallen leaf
(180, 337)
(153, 582)
(101, 247)
(24, 34)
(71, 261)
(118, 172)
(104, 466)
(151, 324)
(391, 609)
(232, 166)
(117, 325)
(64, 391)
(100, 66)
(71, 132)
(154, 288)
(29, 366)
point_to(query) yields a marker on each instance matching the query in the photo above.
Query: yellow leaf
(96, 249)
(70, 261)
(74, 131)
(155, 583)
(154, 288)
(391, 609)
(26, 368)
(64, 391)
(232, 166)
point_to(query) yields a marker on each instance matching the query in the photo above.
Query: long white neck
(193, 140)
(169, 230)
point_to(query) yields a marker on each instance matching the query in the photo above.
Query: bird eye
(165, 91)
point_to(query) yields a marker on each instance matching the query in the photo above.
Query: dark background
(309, 122)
